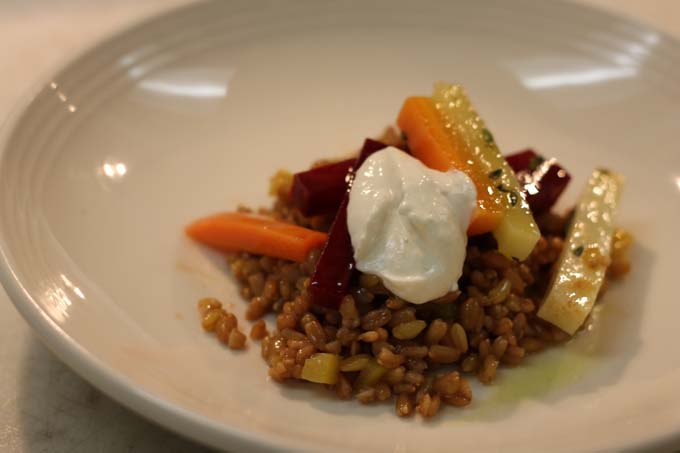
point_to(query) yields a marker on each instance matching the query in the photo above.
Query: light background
(44, 406)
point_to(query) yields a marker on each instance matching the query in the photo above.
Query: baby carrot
(240, 232)
(429, 142)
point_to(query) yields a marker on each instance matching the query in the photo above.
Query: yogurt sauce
(408, 224)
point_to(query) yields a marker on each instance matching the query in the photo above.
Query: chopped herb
(404, 136)
(496, 173)
(512, 195)
(535, 162)
(488, 138)
(578, 251)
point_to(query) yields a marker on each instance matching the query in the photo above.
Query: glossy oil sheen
(190, 113)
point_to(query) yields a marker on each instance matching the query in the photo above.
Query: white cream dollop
(408, 224)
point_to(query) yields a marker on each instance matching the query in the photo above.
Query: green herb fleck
(512, 195)
(488, 137)
(404, 136)
(535, 162)
(496, 173)
(578, 251)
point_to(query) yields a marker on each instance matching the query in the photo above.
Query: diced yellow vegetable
(370, 375)
(322, 368)
(355, 363)
(582, 265)
(517, 232)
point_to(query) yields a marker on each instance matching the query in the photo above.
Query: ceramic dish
(191, 112)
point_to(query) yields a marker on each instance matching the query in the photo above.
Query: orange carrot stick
(239, 232)
(429, 142)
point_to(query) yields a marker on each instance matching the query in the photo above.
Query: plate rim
(112, 382)
(88, 366)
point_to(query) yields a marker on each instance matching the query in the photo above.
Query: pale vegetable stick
(517, 232)
(583, 263)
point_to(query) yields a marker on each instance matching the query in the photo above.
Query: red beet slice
(543, 181)
(334, 269)
(321, 190)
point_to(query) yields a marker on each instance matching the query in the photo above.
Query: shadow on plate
(59, 411)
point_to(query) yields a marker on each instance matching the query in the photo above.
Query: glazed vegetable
(582, 265)
(355, 362)
(430, 142)
(517, 232)
(239, 232)
(322, 368)
(334, 269)
(321, 190)
(370, 374)
(542, 181)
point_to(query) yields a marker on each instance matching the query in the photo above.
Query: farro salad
(426, 260)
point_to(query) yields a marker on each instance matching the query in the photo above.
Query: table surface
(44, 406)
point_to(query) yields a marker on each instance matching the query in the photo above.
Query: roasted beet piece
(334, 269)
(543, 180)
(320, 190)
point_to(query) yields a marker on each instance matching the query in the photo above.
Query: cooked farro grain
(428, 405)
(237, 340)
(470, 363)
(387, 348)
(210, 319)
(488, 370)
(395, 376)
(376, 318)
(462, 397)
(395, 303)
(459, 337)
(366, 395)
(404, 405)
(259, 330)
(414, 351)
(447, 384)
(443, 354)
(389, 359)
(208, 303)
(408, 330)
(382, 391)
(498, 347)
(343, 388)
(435, 332)
(225, 325)
(402, 315)
(405, 388)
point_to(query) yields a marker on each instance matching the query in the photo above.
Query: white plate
(190, 113)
